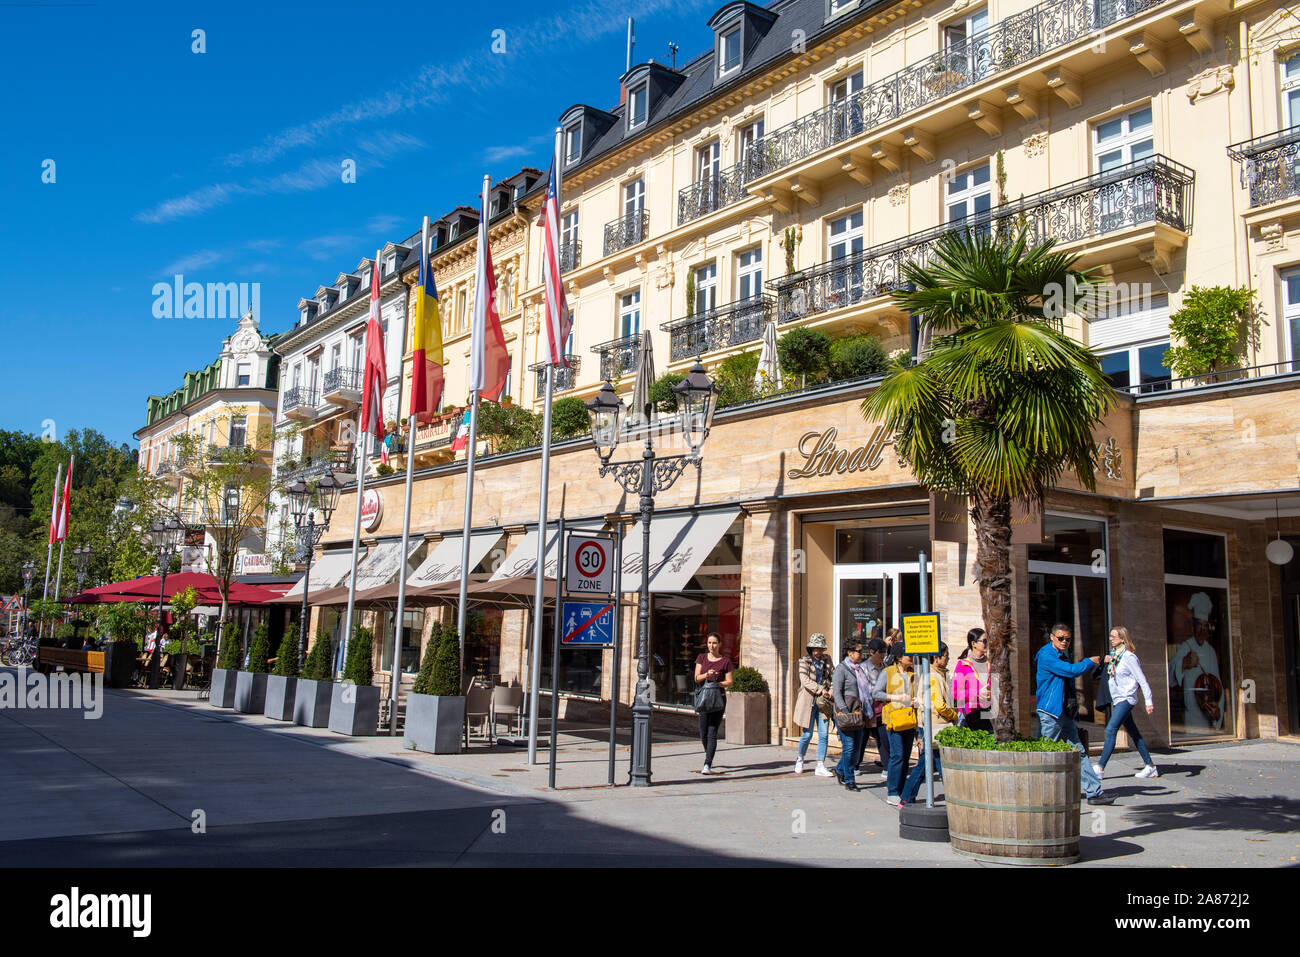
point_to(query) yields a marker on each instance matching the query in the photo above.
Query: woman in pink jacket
(970, 683)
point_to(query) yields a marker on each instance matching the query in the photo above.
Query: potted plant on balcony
(225, 674)
(1212, 330)
(746, 717)
(250, 684)
(354, 705)
(282, 685)
(315, 689)
(435, 708)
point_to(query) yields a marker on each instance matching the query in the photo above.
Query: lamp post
(696, 397)
(29, 572)
(166, 539)
(81, 562)
(324, 494)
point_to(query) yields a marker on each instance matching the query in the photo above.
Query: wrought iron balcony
(434, 434)
(1270, 165)
(628, 231)
(342, 386)
(300, 403)
(1155, 190)
(1014, 41)
(316, 464)
(165, 467)
(570, 255)
(618, 356)
(562, 381)
(720, 328)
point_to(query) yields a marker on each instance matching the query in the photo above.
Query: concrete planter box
(434, 723)
(280, 693)
(223, 688)
(746, 718)
(354, 709)
(250, 692)
(311, 703)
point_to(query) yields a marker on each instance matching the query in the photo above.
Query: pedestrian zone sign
(588, 623)
(921, 633)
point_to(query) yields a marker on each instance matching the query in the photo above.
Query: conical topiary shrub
(232, 652)
(320, 661)
(445, 673)
(258, 651)
(424, 680)
(358, 668)
(286, 658)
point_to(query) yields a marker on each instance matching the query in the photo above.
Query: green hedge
(955, 737)
(745, 679)
(259, 650)
(358, 668)
(286, 656)
(320, 660)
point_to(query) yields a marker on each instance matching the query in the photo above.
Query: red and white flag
(54, 508)
(376, 376)
(65, 511)
(559, 321)
(489, 362)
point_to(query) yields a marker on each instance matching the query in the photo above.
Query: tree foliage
(320, 659)
(661, 391)
(568, 418)
(1213, 328)
(855, 356)
(358, 668)
(806, 353)
(735, 378)
(286, 656)
(259, 650)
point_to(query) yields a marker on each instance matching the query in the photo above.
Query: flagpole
(49, 548)
(64, 517)
(535, 668)
(464, 539)
(396, 675)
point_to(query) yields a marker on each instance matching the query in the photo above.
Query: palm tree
(1003, 403)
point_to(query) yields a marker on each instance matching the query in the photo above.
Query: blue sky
(226, 166)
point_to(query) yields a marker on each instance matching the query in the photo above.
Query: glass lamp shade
(1279, 551)
(328, 492)
(298, 500)
(696, 398)
(29, 572)
(604, 412)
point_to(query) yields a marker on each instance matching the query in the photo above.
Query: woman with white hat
(813, 705)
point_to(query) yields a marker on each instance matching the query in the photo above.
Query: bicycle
(18, 652)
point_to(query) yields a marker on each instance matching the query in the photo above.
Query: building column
(765, 615)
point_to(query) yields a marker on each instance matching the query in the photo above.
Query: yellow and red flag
(426, 340)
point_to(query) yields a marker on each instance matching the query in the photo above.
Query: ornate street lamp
(81, 561)
(29, 572)
(166, 538)
(695, 400)
(304, 502)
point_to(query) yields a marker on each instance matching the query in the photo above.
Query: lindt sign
(823, 457)
(372, 509)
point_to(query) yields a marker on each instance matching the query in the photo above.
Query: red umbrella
(147, 588)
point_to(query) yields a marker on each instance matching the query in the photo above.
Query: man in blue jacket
(1055, 686)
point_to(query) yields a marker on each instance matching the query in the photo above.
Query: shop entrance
(871, 598)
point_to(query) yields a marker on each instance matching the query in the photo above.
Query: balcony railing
(1014, 41)
(300, 398)
(628, 231)
(1285, 367)
(1270, 165)
(720, 328)
(570, 255)
(434, 434)
(342, 380)
(562, 381)
(618, 356)
(1148, 191)
(317, 464)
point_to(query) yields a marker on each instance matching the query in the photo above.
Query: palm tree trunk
(992, 516)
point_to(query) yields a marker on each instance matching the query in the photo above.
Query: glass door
(872, 598)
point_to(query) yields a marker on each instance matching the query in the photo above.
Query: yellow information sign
(921, 633)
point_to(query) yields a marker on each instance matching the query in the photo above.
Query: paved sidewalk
(124, 790)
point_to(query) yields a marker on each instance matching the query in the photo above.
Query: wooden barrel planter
(1013, 807)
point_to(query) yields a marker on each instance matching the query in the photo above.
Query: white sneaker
(1099, 771)
(1148, 772)
(884, 775)
(893, 799)
(798, 765)
(705, 770)
(821, 771)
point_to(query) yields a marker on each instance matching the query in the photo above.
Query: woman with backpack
(895, 688)
(813, 706)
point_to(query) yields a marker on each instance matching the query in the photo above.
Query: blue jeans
(917, 778)
(900, 758)
(850, 748)
(1064, 729)
(823, 735)
(1123, 716)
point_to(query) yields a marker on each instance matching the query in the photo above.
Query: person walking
(851, 694)
(1056, 675)
(971, 693)
(944, 715)
(1124, 677)
(874, 663)
(813, 706)
(712, 666)
(895, 689)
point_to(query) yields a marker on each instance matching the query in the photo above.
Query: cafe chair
(508, 702)
(478, 705)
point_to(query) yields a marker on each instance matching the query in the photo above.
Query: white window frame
(1290, 318)
(723, 69)
(638, 95)
(572, 143)
(749, 272)
(629, 313)
(568, 228)
(1134, 364)
(1288, 85)
(969, 194)
(706, 287)
(708, 162)
(633, 196)
(850, 234)
(1126, 139)
(748, 136)
(240, 373)
(390, 264)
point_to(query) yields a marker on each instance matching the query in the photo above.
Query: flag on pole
(62, 531)
(489, 363)
(559, 321)
(54, 510)
(426, 340)
(376, 377)
(461, 439)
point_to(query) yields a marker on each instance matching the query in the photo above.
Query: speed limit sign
(589, 565)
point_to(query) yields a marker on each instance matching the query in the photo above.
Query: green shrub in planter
(258, 651)
(286, 657)
(975, 740)
(444, 673)
(568, 418)
(358, 668)
(320, 661)
(805, 353)
(661, 392)
(856, 356)
(186, 646)
(424, 680)
(746, 680)
(232, 653)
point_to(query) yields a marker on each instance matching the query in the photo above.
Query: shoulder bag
(901, 717)
(851, 719)
(709, 697)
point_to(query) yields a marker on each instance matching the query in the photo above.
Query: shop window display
(1198, 640)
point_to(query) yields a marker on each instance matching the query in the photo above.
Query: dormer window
(390, 263)
(572, 144)
(637, 101)
(729, 51)
(322, 303)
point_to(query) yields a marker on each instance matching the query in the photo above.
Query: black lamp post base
(640, 772)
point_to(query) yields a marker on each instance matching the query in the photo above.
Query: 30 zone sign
(589, 565)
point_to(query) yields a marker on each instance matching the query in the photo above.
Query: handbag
(899, 717)
(709, 698)
(850, 719)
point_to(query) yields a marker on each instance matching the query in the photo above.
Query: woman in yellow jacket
(896, 688)
(944, 715)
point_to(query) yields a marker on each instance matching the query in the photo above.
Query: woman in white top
(1126, 677)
